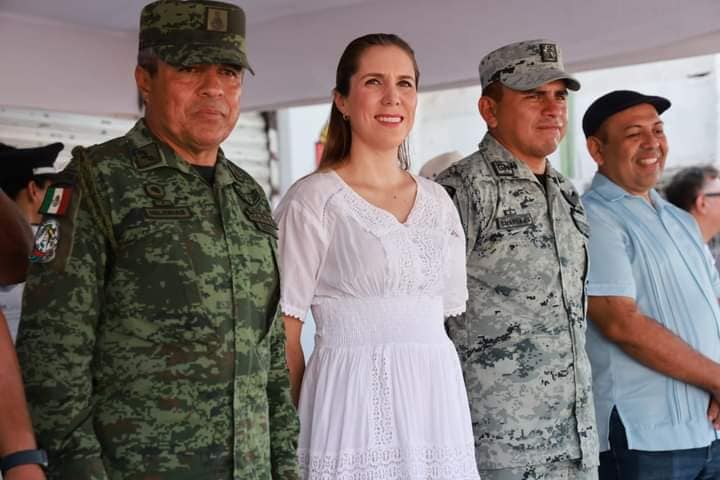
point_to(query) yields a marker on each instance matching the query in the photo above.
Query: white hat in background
(436, 165)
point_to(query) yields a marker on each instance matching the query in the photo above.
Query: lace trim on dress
(379, 222)
(429, 246)
(292, 311)
(419, 462)
(382, 412)
(420, 250)
(374, 220)
(429, 250)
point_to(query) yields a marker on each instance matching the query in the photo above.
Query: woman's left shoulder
(434, 189)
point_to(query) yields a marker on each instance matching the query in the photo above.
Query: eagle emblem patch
(46, 242)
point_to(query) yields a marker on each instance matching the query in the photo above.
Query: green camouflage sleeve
(284, 426)
(61, 310)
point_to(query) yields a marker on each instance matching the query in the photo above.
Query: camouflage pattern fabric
(151, 345)
(522, 340)
(525, 65)
(194, 32)
(551, 471)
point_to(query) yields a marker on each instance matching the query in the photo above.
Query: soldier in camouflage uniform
(522, 339)
(151, 346)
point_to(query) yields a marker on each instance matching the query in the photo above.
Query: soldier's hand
(25, 472)
(714, 412)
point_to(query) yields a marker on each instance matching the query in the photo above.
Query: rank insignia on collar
(56, 201)
(147, 157)
(248, 194)
(504, 168)
(46, 242)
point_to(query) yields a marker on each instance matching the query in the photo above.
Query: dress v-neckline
(376, 208)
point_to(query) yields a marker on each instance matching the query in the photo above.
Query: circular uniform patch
(155, 191)
(46, 241)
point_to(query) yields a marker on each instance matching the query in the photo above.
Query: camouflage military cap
(525, 65)
(195, 31)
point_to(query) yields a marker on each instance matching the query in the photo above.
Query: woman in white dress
(378, 255)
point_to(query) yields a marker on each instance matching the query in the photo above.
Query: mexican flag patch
(57, 201)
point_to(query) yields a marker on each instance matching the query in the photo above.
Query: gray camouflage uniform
(522, 339)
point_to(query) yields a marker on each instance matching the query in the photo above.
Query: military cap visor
(198, 54)
(615, 102)
(184, 33)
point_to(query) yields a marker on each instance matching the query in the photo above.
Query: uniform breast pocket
(154, 287)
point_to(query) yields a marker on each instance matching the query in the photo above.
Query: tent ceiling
(123, 15)
(76, 55)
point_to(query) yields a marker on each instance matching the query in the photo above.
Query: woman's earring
(346, 117)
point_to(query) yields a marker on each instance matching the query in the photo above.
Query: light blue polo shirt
(657, 257)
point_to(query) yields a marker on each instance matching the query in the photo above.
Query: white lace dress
(383, 395)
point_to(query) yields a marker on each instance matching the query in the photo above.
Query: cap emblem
(548, 52)
(217, 20)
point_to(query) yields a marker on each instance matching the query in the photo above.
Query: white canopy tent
(78, 55)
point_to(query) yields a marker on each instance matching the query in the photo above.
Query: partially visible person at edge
(25, 176)
(522, 340)
(697, 191)
(19, 457)
(653, 304)
(378, 254)
(16, 239)
(149, 341)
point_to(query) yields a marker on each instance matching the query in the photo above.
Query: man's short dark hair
(686, 185)
(148, 60)
(493, 90)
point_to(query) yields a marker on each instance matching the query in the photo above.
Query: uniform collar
(612, 192)
(150, 153)
(521, 170)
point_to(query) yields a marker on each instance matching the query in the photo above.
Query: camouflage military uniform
(150, 344)
(522, 339)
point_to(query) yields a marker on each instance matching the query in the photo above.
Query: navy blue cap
(615, 102)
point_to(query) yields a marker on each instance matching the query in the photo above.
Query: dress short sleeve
(301, 249)
(455, 292)
(610, 273)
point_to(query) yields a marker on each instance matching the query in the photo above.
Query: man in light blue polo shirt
(653, 339)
